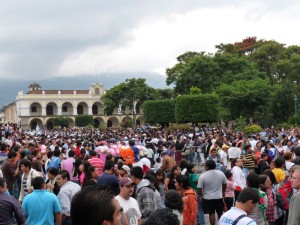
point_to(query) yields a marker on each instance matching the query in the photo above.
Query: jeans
(246, 171)
(200, 214)
(67, 221)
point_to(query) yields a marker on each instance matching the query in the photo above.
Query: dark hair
(253, 180)
(64, 174)
(87, 204)
(88, 175)
(162, 217)
(56, 152)
(52, 171)
(71, 153)
(183, 181)
(25, 163)
(37, 183)
(2, 181)
(49, 154)
(157, 182)
(109, 157)
(93, 153)
(263, 155)
(228, 174)
(183, 164)
(262, 180)
(34, 152)
(11, 154)
(109, 165)
(137, 172)
(279, 162)
(287, 155)
(271, 175)
(150, 177)
(86, 165)
(3, 146)
(131, 142)
(297, 151)
(173, 200)
(210, 164)
(36, 164)
(16, 148)
(248, 194)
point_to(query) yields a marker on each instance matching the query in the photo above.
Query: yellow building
(39, 107)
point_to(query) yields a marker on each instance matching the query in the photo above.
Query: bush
(61, 121)
(176, 126)
(159, 111)
(253, 129)
(83, 120)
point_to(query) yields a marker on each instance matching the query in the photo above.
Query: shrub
(83, 120)
(253, 129)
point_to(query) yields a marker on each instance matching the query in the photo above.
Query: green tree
(83, 120)
(61, 121)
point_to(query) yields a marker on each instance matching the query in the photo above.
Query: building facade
(39, 107)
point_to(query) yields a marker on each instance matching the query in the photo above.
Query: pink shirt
(229, 192)
(67, 165)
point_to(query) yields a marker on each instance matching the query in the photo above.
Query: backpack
(54, 163)
(283, 194)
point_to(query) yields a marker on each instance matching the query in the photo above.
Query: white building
(39, 107)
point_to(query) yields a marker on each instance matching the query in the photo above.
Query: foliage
(252, 129)
(159, 111)
(128, 122)
(89, 126)
(195, 91)
(284, 125)
(176, 126)
(102, 127)
(197, 108)
(294, 120)
(61, 121)
(83, 120)
(240, 123)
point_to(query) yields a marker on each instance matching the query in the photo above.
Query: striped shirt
(249, 160)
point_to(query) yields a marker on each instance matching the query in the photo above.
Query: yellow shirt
(279, 174)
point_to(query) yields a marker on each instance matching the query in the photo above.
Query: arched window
(95, 110)
(49, 110)
(80, 110)
(65, 108)
(33, 109)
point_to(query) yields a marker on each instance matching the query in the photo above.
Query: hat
(126, 168)
(125, 181)
(225, 146)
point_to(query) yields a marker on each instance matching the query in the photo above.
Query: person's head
(181, 183)
(52, 173)
(137, 174)
(264, 156)
(124, 170)
(126, 187)
(248, 148)
(213, 152)
(38, 183)
(131, 142)
(71, 153)
(12, 155)
(109, 166)
(93, 171)
(297, 151)
(288, 156)
(87, 204)
(3, 186)
(272, 165)
(84, 166)
(295, 179)
(162, 217)
(279, 162)
(183, 164)
(56, 152)
(17, 148)
(247, 200)
(62, 177)
(191, 167)
(93, 153)
(176, 170)
(253, 180)
(228, 174)
(25, 165)
(173, 200)
(210, 165)
(36, 165)
(271, 175)
(265, 181)
(160, 175)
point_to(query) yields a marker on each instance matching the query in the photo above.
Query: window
(95, 110)
(49, 110)
(33, 109)
(97, 91)
(65, 108)
(80, 110)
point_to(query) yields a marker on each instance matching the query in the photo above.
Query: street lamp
(295, 100)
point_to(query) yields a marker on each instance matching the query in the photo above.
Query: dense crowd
(149, 176)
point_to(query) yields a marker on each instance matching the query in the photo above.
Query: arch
(82, 108)
(138, 108)
(113, 122)
(71, 122)
(126, 122)
(34, 122)
(97, 108)
(49, 124)
(139, 121)
(35, 109)
(51, 109)
(67, 108)
(98, 121)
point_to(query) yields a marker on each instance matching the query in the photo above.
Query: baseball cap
(225, 146)
(125, 181)
(126, 168)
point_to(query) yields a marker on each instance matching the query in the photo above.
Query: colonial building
(39, 107)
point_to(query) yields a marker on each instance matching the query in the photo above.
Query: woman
(266, 186)
(170, 179)
(83, 168)
(239, 180)
(91, 176)
(174, 202)
(52, 186)
(189, 197)
(159, 183)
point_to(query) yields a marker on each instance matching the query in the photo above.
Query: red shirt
(95, 161)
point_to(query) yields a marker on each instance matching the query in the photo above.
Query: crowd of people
(149, 176)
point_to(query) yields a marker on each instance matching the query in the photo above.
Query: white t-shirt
(131, 209)
(234, 153)
(223, 157)
(230, 216)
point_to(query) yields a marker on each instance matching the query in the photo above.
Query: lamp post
(295, 100)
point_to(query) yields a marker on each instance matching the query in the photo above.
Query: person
(173, 201)
(91, 176)
(108, 178)
(248, 161)
(9, 171)
(3, 154)
(130, 205)
(279, 169)
(167, 162)
(245, 204)
(159, 183)
(41, 206)
(135, 150)
(215, 156)
(189, 197)
(170, 178)
(97, 162)
(124, 171)
(144, 193)
(266, 186)
(239, 180)
(56, 160)
(212, 186)
(68, 189)
(51, 183)
(9, 206)
(163, 217)
(263, 163)
(69, 165)
(28, 175)
(87, 204)
(229, 192)
(294, 216)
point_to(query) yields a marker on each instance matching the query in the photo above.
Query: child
(229, 192)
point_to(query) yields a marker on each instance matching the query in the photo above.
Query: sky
(48, 39)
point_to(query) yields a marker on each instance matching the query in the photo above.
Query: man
(9, 206)
(135, 150)
(144, 193)
(245, 204)
(249, 161)
(279, 170)
(234, 153)
(163, 217)
(129, 204)
(167, 162)
(56, 160)
(95, 205)
(68, 189)
(41, 206)
(294, 215)
(3, 154)
(212, 186)
(69, 164)
(108, 178)
(97, 162)
(224, 155)
(9, 171)
(124, 171)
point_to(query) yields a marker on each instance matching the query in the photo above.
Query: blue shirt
(39, 207)
(109, 180)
